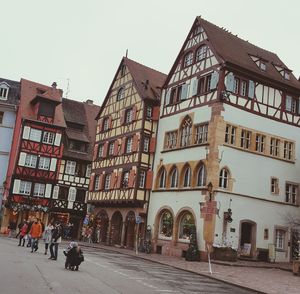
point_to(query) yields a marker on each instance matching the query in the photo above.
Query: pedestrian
(22, 234)
(20, 225)
(98, 234)
(74, 256)
(47, 236)
(30, 222)
(35, 233)
(56, 240)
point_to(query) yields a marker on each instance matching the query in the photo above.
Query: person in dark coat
(74, 256)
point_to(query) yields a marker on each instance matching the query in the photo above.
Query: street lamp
(210, 189)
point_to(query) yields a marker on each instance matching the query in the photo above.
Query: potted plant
(224, 251)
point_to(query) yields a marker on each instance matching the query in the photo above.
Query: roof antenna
(126, 52)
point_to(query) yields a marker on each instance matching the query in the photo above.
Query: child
(74, 256)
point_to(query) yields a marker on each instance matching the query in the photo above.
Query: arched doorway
(116, 228)
(247, 238)
(102, 222)
(130, 230)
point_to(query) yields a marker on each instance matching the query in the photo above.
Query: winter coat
(56, 234)
(74, 256)
(23, 230)
(48, 234)
(36, 230)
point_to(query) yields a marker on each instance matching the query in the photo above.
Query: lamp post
(210, 189)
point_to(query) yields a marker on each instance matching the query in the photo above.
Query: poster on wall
(246, 249)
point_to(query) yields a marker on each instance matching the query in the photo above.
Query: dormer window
(4, 88)
(188, 59)
(262, 65)
(286, 75)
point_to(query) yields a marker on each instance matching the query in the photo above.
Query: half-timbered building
(35, 154)
(75, 165)
(228, 148)
(121, 176)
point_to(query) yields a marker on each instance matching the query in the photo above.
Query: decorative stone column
(123, 234)
(108, 241)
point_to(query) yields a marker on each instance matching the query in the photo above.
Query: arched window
(187, 177)
(223, 178)
(201, 52)
(166, 225)
(174, 178)
(162, 179)
(186, 132)
(188, 59)
(201, 176)
(186, 226)
(121, 94)
(72, 194)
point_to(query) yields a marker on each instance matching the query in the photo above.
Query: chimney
(54, 85)
(89, 102)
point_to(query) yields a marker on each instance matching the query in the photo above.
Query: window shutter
(230, 82)
(131, 179)
(95, 152)
(110, 122)
(70, 204)
(57, 139)
(134, 113)
(214, 80)
(194, 87)
(251, 89)
(55, 192)
(113, 180)
(119, 180)
(116, 147)
(135, 143)
(101, 179)
(152, 145)
(53, 164)
(16, 188)
(288, 103)
(48, 190)
(91, 185)
(184, 90)
(123, 146)
(105, 149)
(122, 117)
(22, 159)
(155, 113)
(149, 178)
(26, 132)
(168, 95)
(100, 125)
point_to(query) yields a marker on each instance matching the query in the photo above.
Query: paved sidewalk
(263, 277)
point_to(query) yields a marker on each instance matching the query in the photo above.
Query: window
(207, 83)
(291, 193)
(100, 150)
(186, 226)
(288, 150)
(142, 179)
(129, 145)
(30, 160)
(172, 96)
(286, 75)
(223, 178)
(25, 188)
(3, 92)
(201, 132)
(171, 140)
(111, 148)
(128, 116)
(274, 186)
(201, 176)
(162, 179)
(107, 182)
(44, 163)
(123, 70)
(290, 104)
(1, 117)
(105, 124)
(121, 94)
(174, 178)
(72, 194)
(97, 183)
(188, 59)
(148, 112)
(186, 132)
(48, 137)
(243, 88)
(230, 134)
(201, 53)
(245, 139)
(166, 225)
(187, 177)
(80, 169)
(77, 146)
(280, 239)
(266, 234)
(39, 190)
(35, 135)
(236, 85)
(46, 109)
(125, 179)
(260, 143)
(262, 65)
(88, 170)
(146, 144)
(70, 167)
(274, 146)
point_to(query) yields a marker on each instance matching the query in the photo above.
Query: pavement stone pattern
(259, 276)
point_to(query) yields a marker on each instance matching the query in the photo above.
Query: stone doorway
(247, 238)
(101, 226)
(130, 230)
(116, 228)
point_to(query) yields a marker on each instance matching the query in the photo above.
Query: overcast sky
(84, 40)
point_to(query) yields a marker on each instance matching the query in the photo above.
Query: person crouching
(74, 256)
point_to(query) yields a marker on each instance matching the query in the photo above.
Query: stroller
(74, 256)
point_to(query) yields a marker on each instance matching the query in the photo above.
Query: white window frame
(171, 140)
(280, 239)
(188, 59)
(100, 150)
(25, 188)
(146, 144)
(224, 178)
(121, 94)
(30, 160)
(260, 141)
(243, 88)
(39, 190)
(274, 146)
(291, 193)
(162, 179)
(97, 183)
(128, 115)
(106, 124)
(201, 176)
(107, 182)
(111, 146)
(201, 133)
(142, 179)
(35, 135)
(230, 134)
(4, 89)
(201, 53)
(187, 177)
(274, 186)
(125, 179)
(149, 112)
(246, 139)
(288, 150)
(70, 167)
(174, 178)
(88, 171)
(44, 163)
(129, 143)
(48, 138)
(72, 194)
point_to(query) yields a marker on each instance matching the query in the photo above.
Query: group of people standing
(34, 230)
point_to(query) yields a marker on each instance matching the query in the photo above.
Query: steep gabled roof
(13, 93)
(148, 81)
(237, 51)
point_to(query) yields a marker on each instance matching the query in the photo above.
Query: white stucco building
(228, 149)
